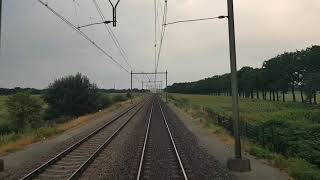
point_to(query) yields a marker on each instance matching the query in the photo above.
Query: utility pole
(131, 87)
(237, 163)
(166, 86)
(0, 23)
(131, 83)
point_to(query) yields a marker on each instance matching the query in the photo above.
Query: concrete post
(166, 86)
(1, 165)
(238, 163)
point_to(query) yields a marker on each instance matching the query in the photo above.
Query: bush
(259, 152)
(45, 132)
(25, 111)
(118, 98)
(72, 96)
(301, 169)
(105, 101)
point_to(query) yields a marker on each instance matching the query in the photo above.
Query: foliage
(72, 96)
(33, 91)
(259, 151)
(104, 101)
(119, 98)
(25, 110)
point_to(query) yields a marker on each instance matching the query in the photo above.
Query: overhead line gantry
(152, 73)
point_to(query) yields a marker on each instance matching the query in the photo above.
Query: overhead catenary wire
(112, 35)
(193, 20)
(164, 19)
(155, 39)
(83, 35)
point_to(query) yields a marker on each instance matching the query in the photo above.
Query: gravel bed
(197, 162)
(160, 161)
(118, 160)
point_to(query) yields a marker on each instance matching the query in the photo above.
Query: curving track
(71, 163)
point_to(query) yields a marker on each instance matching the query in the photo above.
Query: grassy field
(257, 110)
(290, 138)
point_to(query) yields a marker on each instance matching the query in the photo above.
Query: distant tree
(72, 96)
(312, 81)
(25, 111)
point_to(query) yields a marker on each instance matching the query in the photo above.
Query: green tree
(25, 110)
(72, 96)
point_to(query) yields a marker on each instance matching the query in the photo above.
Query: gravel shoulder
(23, 161)
(216, 147)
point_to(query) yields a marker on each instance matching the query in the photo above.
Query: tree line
(287, 72)
(34, 91)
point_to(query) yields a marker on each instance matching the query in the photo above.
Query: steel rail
(145, 144)
(83, 167)
(173, 143)
(41, 168)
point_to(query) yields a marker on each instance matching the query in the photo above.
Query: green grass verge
(296, 167)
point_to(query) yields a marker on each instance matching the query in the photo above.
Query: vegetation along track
(160, 158)
(70, 163)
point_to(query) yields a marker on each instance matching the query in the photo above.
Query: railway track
(72, 162)
(160, 158)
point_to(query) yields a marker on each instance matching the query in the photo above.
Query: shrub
(118, 98)
(25, 110)
(259, 152)
(105, 101)
(301, 169)
(45, 132)
(129, 95)
(72, 96)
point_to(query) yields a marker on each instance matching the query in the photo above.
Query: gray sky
(37, 47)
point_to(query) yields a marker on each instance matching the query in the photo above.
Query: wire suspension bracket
(114, 12)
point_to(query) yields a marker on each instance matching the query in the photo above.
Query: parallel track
(71, 163)
(156, 140)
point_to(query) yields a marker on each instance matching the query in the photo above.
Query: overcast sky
(37, 47)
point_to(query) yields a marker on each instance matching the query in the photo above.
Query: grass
(257, 110)
(296, 167)
(301, 119)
